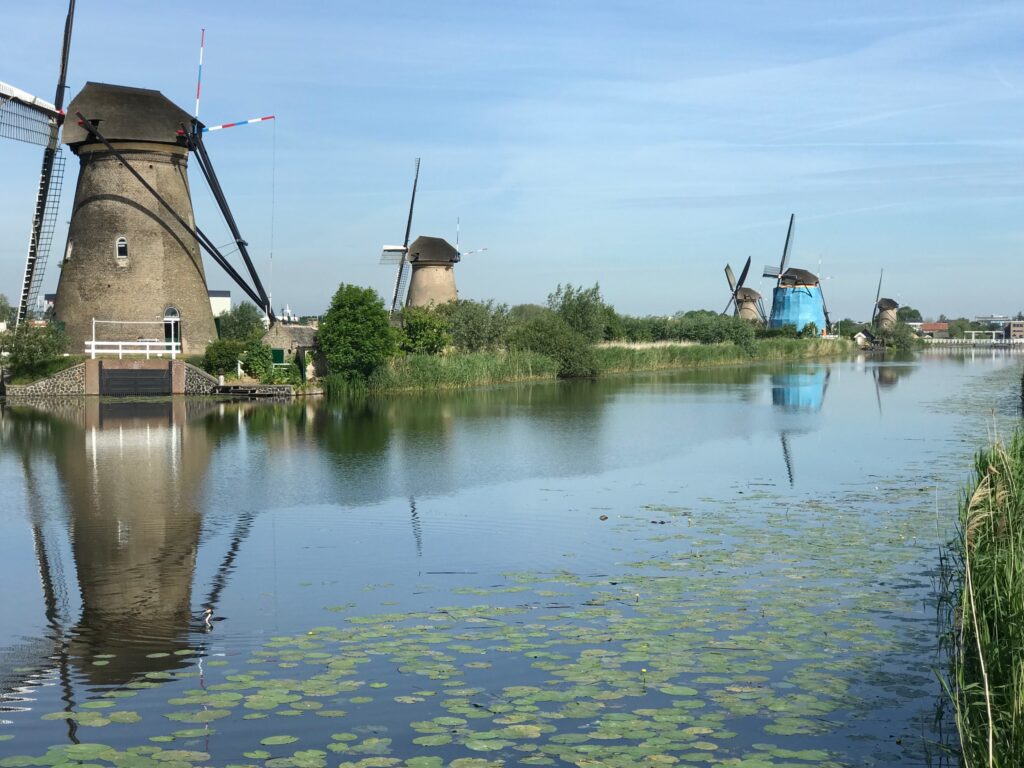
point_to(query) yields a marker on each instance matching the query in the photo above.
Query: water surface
(734, 566)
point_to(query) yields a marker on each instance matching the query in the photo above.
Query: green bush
(550, 335)
(355, 336)
(32, 350)
(582, 309)
(242, 322)
(288, 374)
(809, 331)
(476, 325)
(222, 356)
(424, 332)
(258, 361)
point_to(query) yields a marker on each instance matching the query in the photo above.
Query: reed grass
(473, 369)
(986, 678)
(625, 359)
(478, 369)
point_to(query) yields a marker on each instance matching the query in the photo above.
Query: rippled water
(733, 566)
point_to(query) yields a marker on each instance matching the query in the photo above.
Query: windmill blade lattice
(24, 117)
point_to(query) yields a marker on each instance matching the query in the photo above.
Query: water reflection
(798, 391)
(131, 476)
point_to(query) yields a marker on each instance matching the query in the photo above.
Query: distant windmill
(24, 117)
(425, 268)
(746, 302)
(884, 313)
(797, 298)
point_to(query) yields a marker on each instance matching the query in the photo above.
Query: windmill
(746, 302)
(797, 298)
(425, 268)
(133, 257)
(884, 313)
(24, 117)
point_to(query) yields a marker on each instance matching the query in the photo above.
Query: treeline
(360, 345)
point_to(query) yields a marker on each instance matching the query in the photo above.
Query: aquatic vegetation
(732, 638)
(987, 616)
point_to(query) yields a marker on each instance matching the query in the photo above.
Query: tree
(900, 337)
(258, 361)
(6, 311)
(582, 309)
(424, 332)
(222, 356)
(241, 322)
(550, 335)
(31, 348)
(476, 325)
(355, 336)
(908, 315)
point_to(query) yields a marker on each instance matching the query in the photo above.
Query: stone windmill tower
(746, 302)
(884, 314)
(129, 260)
(426, 274)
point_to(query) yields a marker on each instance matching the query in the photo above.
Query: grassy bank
(478, 369)
(45, 369)
(987, 626)
(621, 359)
(458, 371)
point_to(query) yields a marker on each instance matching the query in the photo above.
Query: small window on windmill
(122, 252)
(67, 251)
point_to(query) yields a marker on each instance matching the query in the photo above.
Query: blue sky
(641, 145)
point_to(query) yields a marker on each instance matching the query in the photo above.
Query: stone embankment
(83, 379)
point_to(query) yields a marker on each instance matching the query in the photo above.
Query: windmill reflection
(133, 542)
(798, 392)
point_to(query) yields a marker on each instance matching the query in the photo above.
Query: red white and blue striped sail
(236, 124)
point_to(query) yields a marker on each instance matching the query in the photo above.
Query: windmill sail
(16, 122)
(402, 279)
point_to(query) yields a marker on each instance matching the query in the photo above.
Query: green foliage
(582, 309)
(787, 331)
(258, 361)
(243, 322)
(520, 313)
(550, 335)
(476, 325)
(288, 374)
(32, 350)
(702, 326)
(712, 328)
(424, 331)
(900, 337)
(908, 315)
(986, 623)
(472, 369)
(222, 356)
(6, 311)
(809, 331)
(355, 336)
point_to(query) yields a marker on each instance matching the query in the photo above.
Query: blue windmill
(797, 298)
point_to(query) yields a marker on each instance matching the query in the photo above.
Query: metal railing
(140, 347)
(982, 342)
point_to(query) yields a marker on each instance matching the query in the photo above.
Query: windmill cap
(432, 250)
(795, 276)
(123, 113)
(747, 294)
(888, 304)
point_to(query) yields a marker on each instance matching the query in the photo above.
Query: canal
(730, 566)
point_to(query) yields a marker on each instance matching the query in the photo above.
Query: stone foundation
(84, 379)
